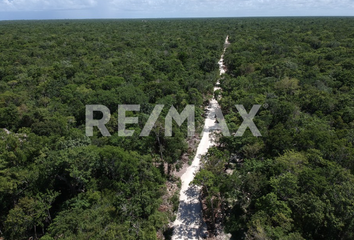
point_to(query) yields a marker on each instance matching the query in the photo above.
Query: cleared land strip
(189, 223)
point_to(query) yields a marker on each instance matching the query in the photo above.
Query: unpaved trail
(189, 223)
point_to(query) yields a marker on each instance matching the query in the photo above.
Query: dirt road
(189, 223)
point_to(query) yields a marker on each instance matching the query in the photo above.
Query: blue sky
(70, 9)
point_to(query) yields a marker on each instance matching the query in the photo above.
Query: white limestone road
(189, 223)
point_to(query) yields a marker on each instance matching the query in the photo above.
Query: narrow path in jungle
(189, 223)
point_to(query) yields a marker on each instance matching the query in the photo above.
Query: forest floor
(189, 223)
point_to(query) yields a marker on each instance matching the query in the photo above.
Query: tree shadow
(190, 214)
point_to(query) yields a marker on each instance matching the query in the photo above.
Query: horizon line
(175, 18)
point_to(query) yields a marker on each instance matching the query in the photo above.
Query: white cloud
(228, 5)
(176, 8)
(39, 5)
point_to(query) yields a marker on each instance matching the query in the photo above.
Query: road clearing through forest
(189, 224)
